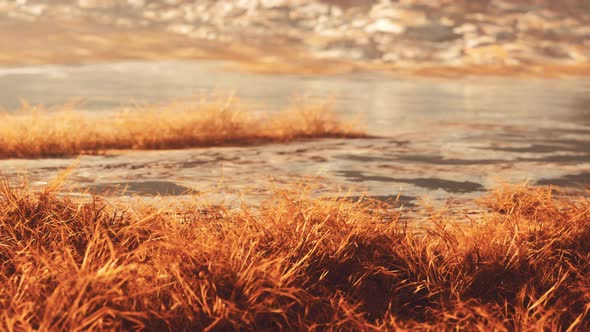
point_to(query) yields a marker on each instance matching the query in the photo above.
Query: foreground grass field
(37, 132)
(292, 263)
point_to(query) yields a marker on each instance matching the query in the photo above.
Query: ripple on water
(449, 186)
(151, 188)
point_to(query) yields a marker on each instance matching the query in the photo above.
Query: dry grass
(37, 132)
(294, 263)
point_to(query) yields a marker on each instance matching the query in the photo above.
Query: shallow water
(445, 139)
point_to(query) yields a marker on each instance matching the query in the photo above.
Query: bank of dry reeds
(34, 131)
(293, 263)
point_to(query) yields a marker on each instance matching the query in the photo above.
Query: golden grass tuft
(294, 263)
(35, 131)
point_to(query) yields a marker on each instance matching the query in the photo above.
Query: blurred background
(301, 35)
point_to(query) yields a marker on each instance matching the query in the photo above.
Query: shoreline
(313, 67)
(248, 61)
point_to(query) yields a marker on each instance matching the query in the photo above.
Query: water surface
(443, 139)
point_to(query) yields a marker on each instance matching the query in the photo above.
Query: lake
(439, 139)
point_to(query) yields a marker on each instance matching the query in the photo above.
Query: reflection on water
(442, 137)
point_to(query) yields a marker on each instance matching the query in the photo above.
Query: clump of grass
(294, 263)
(35, 131)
